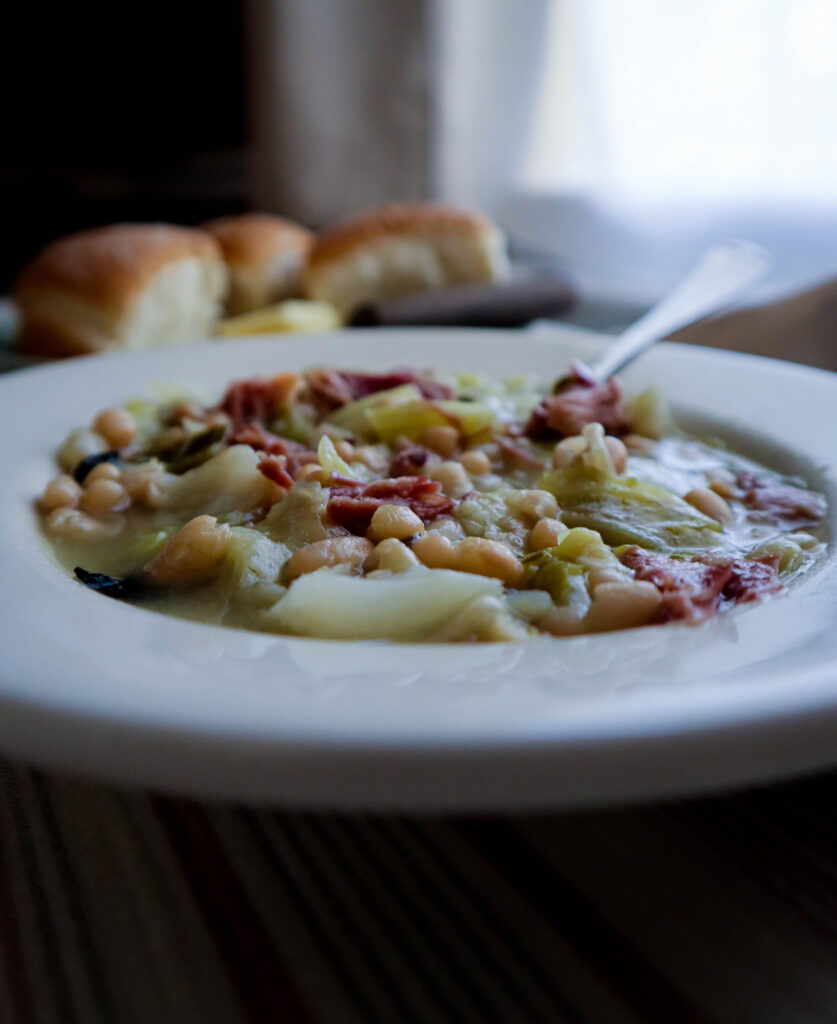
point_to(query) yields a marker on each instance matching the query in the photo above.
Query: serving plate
(104, 689)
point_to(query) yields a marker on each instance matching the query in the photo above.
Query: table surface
(122, 906)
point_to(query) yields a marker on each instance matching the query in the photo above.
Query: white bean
(476, 463)
(397, 521)
(73, 524)
(392, 555)
(533, 504)
(710, 504)
(487, 558)
(545, 534)
(117, 426)
(453, 478)
(622, 605)
(63, 492)
(443, 440)
(433, 550)
(104, 495)
(79, 444)
(193, 554)
(332, 551)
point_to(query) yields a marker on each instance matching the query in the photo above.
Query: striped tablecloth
(120, 906)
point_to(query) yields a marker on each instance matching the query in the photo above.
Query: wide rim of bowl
(126, 694)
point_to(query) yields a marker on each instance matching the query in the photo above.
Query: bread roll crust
(401, 250)
(407, 219)
(125, 285)
(265, 256)
(108, 267)
(251, 239)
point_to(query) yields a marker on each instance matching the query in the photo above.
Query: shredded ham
(282, 457)
(352, 503)
(580, 400)
(275, 468)
(409, 460)
(777, 501)
(259, 399)
(752, 579)
(255, 435)
(692, 589)
(331, 389)
(518, 453)
(249, 403)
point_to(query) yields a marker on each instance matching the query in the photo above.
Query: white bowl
(113, 691)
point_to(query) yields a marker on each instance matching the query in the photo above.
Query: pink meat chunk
(517, 453)
(752, 579)
(256, 436)
(781, 502)
(409, 460)
(248, 401)
(334, 388)
(276, 468)
(580, 400)
(693, 589)
(352, 504)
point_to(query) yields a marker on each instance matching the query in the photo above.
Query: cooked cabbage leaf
(627, 511)
(412, 605)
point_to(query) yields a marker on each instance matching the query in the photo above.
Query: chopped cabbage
(413, 605)
(355, 416)
(649, 414)
(411, 419)
(297, 519)
(252, 557)
(790, 553)
(632, 512)
(330, 460)
(228, 482)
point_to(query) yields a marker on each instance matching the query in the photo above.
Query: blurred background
(614, 140)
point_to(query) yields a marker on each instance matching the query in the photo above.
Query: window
(660, 127)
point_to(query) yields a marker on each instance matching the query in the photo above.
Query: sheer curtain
(615, 138)
(356, 102)
(341, 110)
(661, 126)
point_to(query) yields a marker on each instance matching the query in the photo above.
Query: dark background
(138, 114)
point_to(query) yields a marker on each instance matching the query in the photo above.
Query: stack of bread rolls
(129, 286)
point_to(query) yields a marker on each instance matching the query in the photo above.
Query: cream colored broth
(262, 512)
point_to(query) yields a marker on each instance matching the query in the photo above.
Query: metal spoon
(723, 273)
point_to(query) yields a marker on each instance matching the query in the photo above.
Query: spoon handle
(721, 275)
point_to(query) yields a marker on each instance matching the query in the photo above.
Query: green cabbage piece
(584, 546)
(627, 511)
(411, 419)
(413, 605)
(790, 552)
(252, 557)
(484, 514)
(561, 569)
(297, 519)
(330, 460)
(294, 425)
(562, 580)
(649, 414)
(354, 416)
(226, 483)
(595, 461)
(486, 619)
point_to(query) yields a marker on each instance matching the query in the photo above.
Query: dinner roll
(402, 249)
(265, 256)
(122, 286)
